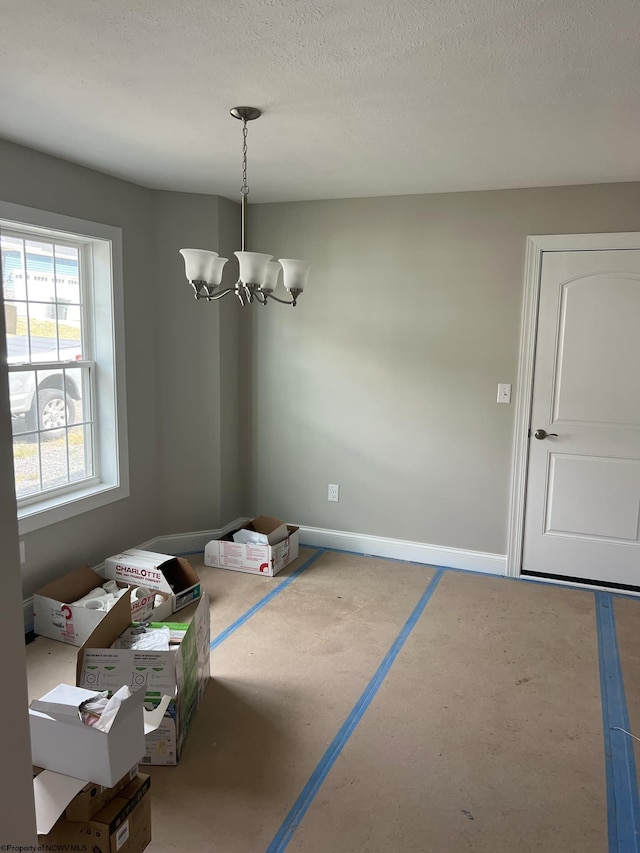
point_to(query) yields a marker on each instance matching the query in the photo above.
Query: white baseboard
(401, 549)
(317, 537)
(188, 543)
(182, 543)
(378, 546)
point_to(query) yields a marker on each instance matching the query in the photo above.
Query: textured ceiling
(360, 97)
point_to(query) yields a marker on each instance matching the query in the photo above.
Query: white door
(582, 514)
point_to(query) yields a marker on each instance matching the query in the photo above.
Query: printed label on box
(133, 575)
(162, 745)
(58, 619)
(107, 668)
(122, 834)
(182, 599)
(142, 608)
(232, 554)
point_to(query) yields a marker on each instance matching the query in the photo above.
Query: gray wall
(383, 379)
(235, 375)
(198, 375)
(184, 363)
(36, 180)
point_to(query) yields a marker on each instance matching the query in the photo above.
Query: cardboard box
(92, 797)
(255, 558)
(181, 673)
(263, 530)
(55, 617)
(122, 826)
(63, 743)
(173, 576)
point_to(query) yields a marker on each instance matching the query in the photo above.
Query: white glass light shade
(197, 263)
(271, 276)
(295, 273)
(215, 271)
(253, 266)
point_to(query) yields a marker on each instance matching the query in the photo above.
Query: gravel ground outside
(28, 453)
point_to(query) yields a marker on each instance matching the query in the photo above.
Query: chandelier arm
(281, 301)
(216, 294)
(242, 292)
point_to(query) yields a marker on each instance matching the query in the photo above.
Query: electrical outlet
(334, 493)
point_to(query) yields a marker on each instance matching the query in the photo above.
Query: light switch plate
(504, 393)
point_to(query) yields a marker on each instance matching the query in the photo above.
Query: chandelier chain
(245, 188)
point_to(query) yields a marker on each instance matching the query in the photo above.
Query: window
(62, 291)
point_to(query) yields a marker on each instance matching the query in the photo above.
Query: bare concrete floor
(485, 732)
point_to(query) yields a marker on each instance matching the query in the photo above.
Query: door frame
(536, 247)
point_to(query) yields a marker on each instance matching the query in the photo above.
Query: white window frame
(105, 316)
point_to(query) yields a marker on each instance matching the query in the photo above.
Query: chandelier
(258, 272)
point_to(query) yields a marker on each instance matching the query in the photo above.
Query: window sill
(47, 512)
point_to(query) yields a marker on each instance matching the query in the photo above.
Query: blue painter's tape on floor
(299, 808)
(623, 804)
(267, 598)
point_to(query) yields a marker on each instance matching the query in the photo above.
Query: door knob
(542, 433)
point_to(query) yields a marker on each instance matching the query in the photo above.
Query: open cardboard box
(63, 743)
(174, 577)
(263, 530)
(123, 825)
(259, 559)
(53, 795)
(55, 617)
(92, 798)
(182, 673)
